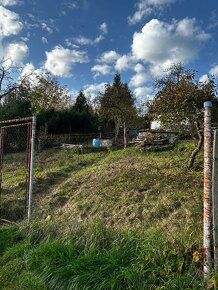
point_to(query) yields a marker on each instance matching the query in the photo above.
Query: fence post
(124, 135)
(207, 190)
(31, 168)
(215, 198)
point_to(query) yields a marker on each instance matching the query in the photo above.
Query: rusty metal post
(215, 199)
(207, 191)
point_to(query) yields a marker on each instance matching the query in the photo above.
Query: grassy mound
(124, 188)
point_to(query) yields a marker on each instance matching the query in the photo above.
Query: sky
(83, 43)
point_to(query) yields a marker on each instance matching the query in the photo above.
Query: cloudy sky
(84, 42)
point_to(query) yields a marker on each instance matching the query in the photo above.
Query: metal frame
(30, 122)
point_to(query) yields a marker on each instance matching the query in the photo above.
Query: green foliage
(179, 101)
(9, 236)
(66, 121)
(94, 257)
(47, 94)
(117, 104)
(15, 108)
(81, 104)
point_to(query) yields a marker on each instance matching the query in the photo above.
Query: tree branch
(198, 147)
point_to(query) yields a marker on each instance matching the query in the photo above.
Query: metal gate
(16, 146)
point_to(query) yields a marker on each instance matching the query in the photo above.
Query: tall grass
(95, 257)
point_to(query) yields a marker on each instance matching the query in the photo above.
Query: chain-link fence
(15, 155)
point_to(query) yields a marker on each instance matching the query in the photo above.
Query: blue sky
(84, 42)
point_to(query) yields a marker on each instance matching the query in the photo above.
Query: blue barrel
(96, 142)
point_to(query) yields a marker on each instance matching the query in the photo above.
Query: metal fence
(15, 168)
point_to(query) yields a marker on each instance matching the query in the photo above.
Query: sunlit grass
(123, 219)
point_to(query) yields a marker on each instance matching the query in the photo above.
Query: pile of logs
(155, 141)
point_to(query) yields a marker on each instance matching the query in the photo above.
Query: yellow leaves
(48, 218)
(196, 257)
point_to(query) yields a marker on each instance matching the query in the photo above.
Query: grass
(129, 188)
(95, 257)
(122, 219)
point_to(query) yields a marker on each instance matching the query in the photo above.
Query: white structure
(156, 125)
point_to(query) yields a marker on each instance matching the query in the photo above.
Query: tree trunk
(198, 147)
(117, 128)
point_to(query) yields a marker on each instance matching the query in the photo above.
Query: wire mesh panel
(15, 150)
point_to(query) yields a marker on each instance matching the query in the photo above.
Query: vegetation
(37, 256)
(179, 101)
(47, 94)
(121, 219)
(7, 84)
(81, 104)
(105, 219)
(117, 105)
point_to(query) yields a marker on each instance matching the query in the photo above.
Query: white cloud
(46, 27)
(60, 60)
(10, 23)
(71, 4)
(157, 70)
(98, 39)
(214, 71)
(140, 77)
(204, 78)
(93, 89)
(101, 69)
(69, 43)
(29, 71)
(44, 40)
(10, 2)
(16, 52)
(143, 92)
(147, 7)
(106, 62)
(103, 28)
(160, 44)
(81, 40)
(124, 62)
(108, 57)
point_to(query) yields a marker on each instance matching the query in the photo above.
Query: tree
(47, 94)
(117, 105)
(81, 104)
(15, 108)
(178, 103)
(7, 83)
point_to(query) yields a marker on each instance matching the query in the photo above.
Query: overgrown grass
(95, 257)
(122, 219)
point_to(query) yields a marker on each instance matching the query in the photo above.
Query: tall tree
(178, 103)
(117, 104)
(81, 104)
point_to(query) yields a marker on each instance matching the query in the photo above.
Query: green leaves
(179, 101)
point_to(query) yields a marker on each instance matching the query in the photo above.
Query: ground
(107, 211)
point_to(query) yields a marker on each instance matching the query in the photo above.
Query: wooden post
(207, 191)
(215, 198)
